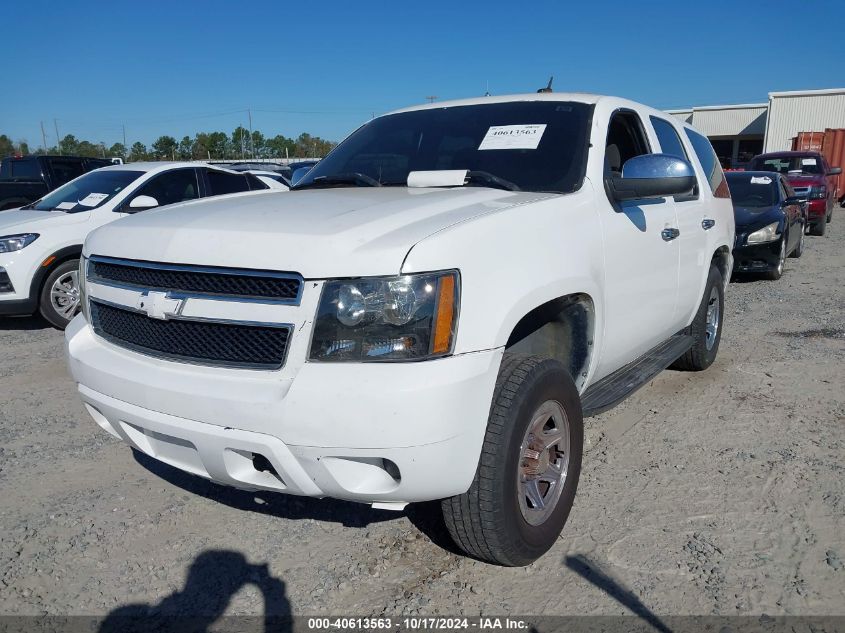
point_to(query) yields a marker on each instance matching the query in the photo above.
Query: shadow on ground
(214, 578)
(23, 323)
(590, 572)
(426, 517)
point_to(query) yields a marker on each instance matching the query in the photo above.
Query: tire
(799, 250)
(494, 521)
(818, 228)
(59, 298)
(705, 342)
(777, 272)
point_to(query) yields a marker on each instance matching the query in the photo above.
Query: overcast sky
(179, 67)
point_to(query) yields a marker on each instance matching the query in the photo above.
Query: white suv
(429, 313)
(40, 243)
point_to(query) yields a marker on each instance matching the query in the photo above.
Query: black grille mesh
(256, 346)
(201, 282)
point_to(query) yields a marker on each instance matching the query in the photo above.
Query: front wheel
(706, 327)
(799, 250)
(777, 272)
(59, 299)
(528, 472)
(818, 228)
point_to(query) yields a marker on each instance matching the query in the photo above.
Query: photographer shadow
(213, 579)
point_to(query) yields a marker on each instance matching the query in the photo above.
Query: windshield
(752, 190)
(787, 164)
(535, 145)
(87, 192)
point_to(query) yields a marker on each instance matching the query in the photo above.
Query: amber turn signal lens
(445, 315)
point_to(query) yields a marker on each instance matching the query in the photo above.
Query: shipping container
(808, 142)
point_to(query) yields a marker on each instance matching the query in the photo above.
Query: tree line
(203, 146)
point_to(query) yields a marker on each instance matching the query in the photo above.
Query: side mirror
(298, 175)
(139, 203)
(834, 171)
(653, 176)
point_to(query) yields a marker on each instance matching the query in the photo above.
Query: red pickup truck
(810, 176)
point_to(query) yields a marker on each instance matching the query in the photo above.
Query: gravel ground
(714, 493)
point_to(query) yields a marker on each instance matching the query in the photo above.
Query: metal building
(802, 111)
(739, 132)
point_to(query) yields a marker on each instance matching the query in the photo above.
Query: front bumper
(376, 433)
(816, 211)
(15, 284)
(758, 258)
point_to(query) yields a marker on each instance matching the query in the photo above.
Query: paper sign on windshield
(64, 206)
(513, 137)
(761, 180)
(93, 199)
(808, 161)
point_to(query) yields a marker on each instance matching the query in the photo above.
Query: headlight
(11, 243)
(766, 234)
(412, 317)
(83, 283)
(818, 192)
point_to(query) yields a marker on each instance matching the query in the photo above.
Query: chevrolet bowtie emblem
(160, 305)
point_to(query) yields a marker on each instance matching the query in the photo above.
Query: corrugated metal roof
(791, 113)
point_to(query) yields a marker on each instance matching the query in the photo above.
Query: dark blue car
(770, 222)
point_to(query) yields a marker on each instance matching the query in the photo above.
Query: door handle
(707, 224)
(669, 234)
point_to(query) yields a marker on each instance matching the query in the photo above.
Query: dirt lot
(713, 493)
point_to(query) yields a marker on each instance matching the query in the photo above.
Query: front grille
(202, 342)
(216, 282)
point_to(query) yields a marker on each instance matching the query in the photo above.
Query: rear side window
(219, 183)
(26, 169)
(709, 163)
(65, 170)
(670, 142)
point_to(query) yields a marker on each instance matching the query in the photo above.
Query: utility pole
(431, 98)
(43, 137)
(58, 138)
(124, 137)
(251, 142)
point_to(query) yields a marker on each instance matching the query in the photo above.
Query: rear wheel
(530, 462)
(59, 300)
(799, 250)
(706, 327)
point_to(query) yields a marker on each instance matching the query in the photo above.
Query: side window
(709, 163)
(65, 170)
(670, 142)
(219, 182)
(172, 187)
(625, 139)
(254, 183)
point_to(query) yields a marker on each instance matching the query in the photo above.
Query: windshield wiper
(491, 180)
(352, 178)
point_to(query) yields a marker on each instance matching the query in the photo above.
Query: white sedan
(40, 243)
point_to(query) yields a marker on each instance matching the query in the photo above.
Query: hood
(756, 217)
(342, 232)
(26, 221)
(806, 180)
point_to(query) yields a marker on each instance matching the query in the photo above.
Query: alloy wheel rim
(711, 326)
(64, 295)
(543, 462)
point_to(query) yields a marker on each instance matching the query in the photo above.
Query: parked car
(770, 222)
(427, 315)
(810, 176)
(278, 168)
(27, 178)
(40, 244)
(300, 168)
(272, 179)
